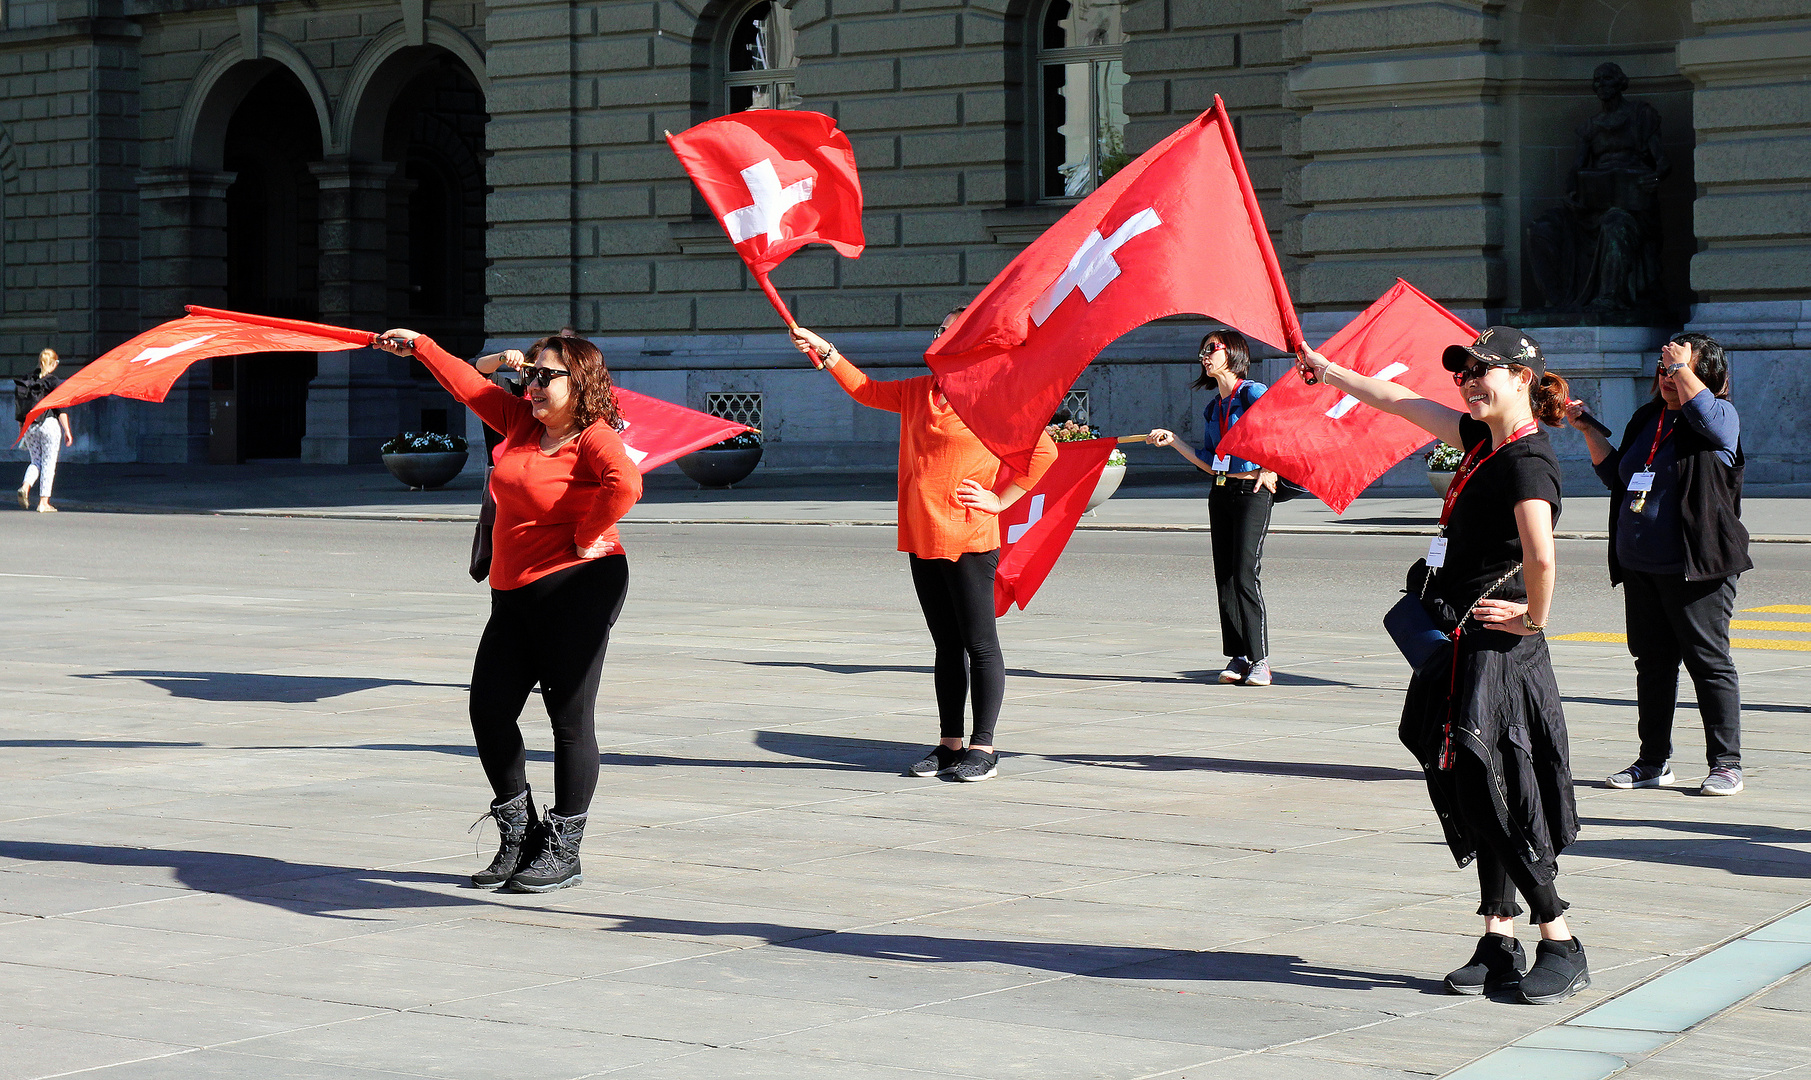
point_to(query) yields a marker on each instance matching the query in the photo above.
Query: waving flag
(147, 366)
(1177, 230)
(655, 431)
(1328, 442)
(1035, 529)
(777, 179)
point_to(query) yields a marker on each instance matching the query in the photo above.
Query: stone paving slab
(234, 854)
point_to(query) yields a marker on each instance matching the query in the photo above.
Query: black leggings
(553, 631)
(1501, 870)
(958, 601)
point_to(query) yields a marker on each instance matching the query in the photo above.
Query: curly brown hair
(593, 394)
(1547, 396)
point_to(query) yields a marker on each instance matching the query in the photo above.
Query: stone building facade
(490, 172)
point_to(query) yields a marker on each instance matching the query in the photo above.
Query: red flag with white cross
(148, 365)
(777, 179)
(1327, 441)
(1178, 230)
(1036, 528)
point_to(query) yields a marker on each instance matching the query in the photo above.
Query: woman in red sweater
(949, 526)
(558, 577)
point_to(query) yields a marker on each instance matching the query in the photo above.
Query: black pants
(553, 631)
(1501, 870)
(958, 601)
(1672, 620)
(1239, 515)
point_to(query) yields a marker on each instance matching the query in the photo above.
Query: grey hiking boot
(555, 862)
(515, 816)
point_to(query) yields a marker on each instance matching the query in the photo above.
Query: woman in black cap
(1677, 545)
(1483, 713)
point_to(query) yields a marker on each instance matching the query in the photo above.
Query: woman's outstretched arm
(1430, 416)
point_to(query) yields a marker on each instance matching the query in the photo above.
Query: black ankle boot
(1498, 961)
(515, 817)
(1559, 971)
(555, 862)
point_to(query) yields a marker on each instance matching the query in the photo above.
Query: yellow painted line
(1783, 609)
(1780, 645)
(1770, 643)
(1770, 624)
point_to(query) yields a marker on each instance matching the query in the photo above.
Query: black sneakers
(940, 760)
(515, 816)
(977, 765)
(1559, 971)
(555, 862)
(1497, 962)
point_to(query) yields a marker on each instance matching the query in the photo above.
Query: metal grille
(1075, 403)
(743, 408)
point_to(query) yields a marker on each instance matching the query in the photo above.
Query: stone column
(182, 260)
(1400, 138)
(1752, 274)
(362, 397)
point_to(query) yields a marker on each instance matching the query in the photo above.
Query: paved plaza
(233, 837)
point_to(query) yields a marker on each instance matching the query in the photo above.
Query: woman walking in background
(1483, 714)
(41, 438)
(1238, 506)
(1677, 546)
(558, 579)
(949, 526)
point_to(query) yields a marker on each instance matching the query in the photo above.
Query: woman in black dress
(1483, 713)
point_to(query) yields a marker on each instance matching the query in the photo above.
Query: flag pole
(1124, 439)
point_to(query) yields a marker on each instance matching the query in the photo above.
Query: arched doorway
(272, 258)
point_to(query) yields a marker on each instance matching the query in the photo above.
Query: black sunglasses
(1477, 370)
(542, 375)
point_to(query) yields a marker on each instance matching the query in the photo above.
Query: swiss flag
(147, 366)
(1177, 230)
(1325, 440)
(777, 179)
(1036, 528)
(655, 432)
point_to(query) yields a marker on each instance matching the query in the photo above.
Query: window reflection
(762, 60)
(1082, 96)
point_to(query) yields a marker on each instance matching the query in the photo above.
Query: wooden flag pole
(1124, 439)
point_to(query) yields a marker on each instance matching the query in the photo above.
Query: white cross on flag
(1176, 231)
(1328, 442)
(777, 179)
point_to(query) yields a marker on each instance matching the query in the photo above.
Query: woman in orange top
(950, 528)
(558, 578)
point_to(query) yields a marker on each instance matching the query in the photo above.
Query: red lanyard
(1225, 418)
(1662, 432)
(1470, 464)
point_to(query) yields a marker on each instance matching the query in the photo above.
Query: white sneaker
(1257, 675)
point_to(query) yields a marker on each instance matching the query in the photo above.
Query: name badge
(1224, 464)
(1642, 481)
(1436, 553)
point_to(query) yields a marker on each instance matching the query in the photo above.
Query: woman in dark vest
(1677, 545)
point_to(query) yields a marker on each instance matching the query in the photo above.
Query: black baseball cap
(1498, 346)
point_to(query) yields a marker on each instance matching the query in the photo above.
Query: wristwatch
(1537, 627)
(1674, 369)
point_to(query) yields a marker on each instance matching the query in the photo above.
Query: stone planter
(1110, 478)
(418, 472)
(716, 468)
(1441, 479)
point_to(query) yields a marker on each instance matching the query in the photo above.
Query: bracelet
(1531, 624)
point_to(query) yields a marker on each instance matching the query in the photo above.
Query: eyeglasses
(1477, 370)
(541, 375)
(1218, 346)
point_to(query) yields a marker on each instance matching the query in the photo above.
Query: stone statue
(1599, 251)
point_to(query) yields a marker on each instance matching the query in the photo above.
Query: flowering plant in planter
(423, 442)
(1443, 458)
(1070, 431)
(747, 440)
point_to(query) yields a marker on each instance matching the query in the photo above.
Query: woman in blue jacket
(1677, 545)
(1238, 506)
